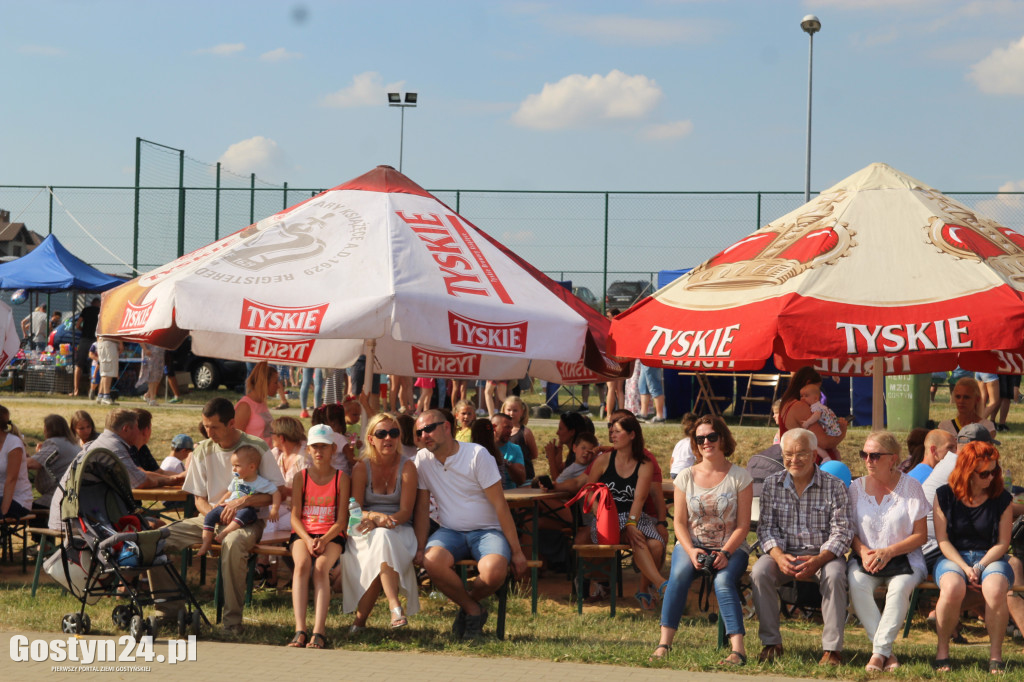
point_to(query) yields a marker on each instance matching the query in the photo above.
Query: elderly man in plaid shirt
(805, 531)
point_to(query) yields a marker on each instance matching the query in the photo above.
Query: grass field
(557, 632)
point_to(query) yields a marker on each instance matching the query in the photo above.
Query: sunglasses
(394, 433)
(429, 428)
(983, 475)
(711, 438)
(873, 456)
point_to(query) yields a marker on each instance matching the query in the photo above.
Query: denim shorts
(985, 377)
(999, 567)
(471, 543)
(651, 382)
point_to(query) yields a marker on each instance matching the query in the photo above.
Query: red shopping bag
(598, 499)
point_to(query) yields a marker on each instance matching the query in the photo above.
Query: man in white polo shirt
(475, 519)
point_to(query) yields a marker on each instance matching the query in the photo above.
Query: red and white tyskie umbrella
(10, 342)
(377, 259)
(878, 272)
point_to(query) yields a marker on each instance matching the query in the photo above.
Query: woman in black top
(973, 517)
(628, 474)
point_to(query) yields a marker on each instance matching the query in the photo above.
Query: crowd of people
(430, 490)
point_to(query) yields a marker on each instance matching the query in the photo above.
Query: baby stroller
(104, 551)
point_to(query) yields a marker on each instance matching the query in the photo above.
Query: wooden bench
(930, 585)
(604, 559)
(11, 528)
(502, 593)
(271, 544)
(48, 539)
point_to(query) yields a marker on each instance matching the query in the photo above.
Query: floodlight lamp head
(410, 97)
(394, 98)
(810, 24)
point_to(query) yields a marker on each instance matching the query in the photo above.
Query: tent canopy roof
(50, 268)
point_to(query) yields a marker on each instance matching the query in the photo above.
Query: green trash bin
(907, 399)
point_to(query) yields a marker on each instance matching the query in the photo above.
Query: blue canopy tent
(50, 268)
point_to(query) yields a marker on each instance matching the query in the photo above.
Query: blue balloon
(839, 470)
(19, 297)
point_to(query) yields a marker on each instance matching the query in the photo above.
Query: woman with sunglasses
(890, 516)
(712, 502)
(973, 515)
(384, 484)
(629, 475)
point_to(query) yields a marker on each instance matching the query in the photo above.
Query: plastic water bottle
(355, 517)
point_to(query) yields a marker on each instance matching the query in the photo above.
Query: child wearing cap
(319, 517)
(181, 450)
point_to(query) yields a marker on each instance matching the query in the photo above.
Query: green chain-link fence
(590, 238)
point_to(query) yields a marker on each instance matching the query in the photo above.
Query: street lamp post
(395, 100)
(811, 25)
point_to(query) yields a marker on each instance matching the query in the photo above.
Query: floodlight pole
(811, 25)
(394, 100)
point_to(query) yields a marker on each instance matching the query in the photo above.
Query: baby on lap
(245, 465)
(821, 415)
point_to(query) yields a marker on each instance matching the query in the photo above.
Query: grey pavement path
(217, 660)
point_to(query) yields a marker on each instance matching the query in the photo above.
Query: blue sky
(640, 95)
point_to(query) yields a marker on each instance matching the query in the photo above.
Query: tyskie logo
(278, 350)
(577, 371)
(435, 363)
(280, 320)
(135, 316)
(496, 337)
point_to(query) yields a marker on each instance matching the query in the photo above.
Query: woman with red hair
(973, 517)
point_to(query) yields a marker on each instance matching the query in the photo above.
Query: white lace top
(880, 524)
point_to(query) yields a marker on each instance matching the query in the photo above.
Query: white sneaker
(105, 400)
(151, 402)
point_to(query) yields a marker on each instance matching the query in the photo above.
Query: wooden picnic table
(521, 499)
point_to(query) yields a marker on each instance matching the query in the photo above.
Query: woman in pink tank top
(252, 413)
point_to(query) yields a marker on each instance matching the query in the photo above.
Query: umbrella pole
(877, 395)
(371, 345)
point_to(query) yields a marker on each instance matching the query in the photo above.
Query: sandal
(398, 619)
(996, 667)
(356, 629)
(646, 600)
(655, 657)
(299, 640)
(734, 663)
(873, 667)
(317, 642)
(891, 664)
(942, 665)
(661, 590)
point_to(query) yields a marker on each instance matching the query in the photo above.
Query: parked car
(587, 296)
(623, 293)
(207, 373)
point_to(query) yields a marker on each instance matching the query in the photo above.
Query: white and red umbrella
(880, 273)
(377, 259)
(10, 342)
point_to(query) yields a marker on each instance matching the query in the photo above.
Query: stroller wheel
(196, 621)
(137, 627)
(121, 615)
(182, 623)
(86, 624)
(75, 624)
(153, 626)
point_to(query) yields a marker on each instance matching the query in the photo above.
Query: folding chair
(763, 383)
(706, 395)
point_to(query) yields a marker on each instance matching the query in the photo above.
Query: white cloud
(1002, 72)
(367, 90)
(222, 50)
(279, 55)
(41, 50)
(578, 100)
(620, 29)
(668, 131)
(1005, 208)
(259, 155)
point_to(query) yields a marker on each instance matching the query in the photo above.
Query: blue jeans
(727, 591)
(998, 567)
(246, 516)
(471, 543)
(317, 377)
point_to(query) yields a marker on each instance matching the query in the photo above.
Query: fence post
(135, 222)
(458, 199)
(284, 202)
(252, 198)
(758, 226)
(181, 203)
(604, 284)
(216, 208)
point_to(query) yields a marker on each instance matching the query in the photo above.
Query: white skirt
(363, 557)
